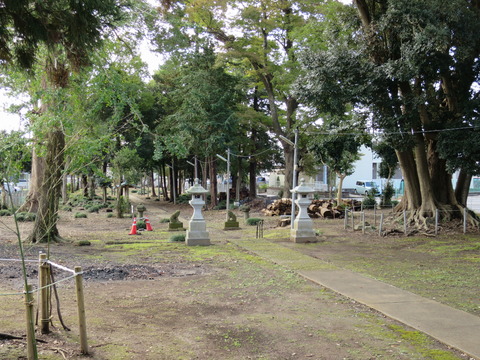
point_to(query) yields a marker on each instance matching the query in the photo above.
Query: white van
(363, 187)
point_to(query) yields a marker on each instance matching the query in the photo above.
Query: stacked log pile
(317, 209)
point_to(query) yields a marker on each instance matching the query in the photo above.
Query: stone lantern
(141, 209)
(197, 233)
(302, 231)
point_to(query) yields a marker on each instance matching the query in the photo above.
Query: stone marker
(174, 224)
(231, 223)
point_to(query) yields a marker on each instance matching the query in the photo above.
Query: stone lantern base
(197, 234)
(302, 236)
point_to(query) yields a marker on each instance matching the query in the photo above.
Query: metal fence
(372, 220)
(17, 197)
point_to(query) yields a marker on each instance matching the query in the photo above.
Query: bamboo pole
(82, 323)
(43, 276)
(31, 341)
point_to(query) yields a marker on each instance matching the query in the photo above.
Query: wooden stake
(363, 222)
(381, 225)
(82, 323)
(43, 277)
(31, 341)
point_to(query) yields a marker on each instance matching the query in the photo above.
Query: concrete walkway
(452, 327)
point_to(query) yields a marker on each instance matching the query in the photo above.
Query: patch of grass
(177, 238)
(422, 343)
(80, 215)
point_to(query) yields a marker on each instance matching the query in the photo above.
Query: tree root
(423, 219)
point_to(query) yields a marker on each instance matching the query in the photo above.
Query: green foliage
(80, 215)
(369, 200)
(110, 215)
(122, 206)
(222, 205)
(183, 198)
(177, 238)
(5, 212)
(253, 221)
(26, 216)
(66, 208)
(164, 221)
(202, 117)
(94, 208)
(387, 194)
(401, 68)
(141, 224)
(83, 243)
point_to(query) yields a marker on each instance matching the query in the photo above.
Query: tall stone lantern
(302, 231)
(197, 233)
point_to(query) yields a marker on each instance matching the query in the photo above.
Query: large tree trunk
(341, 177)
(85, 185)
(36, 180)
(152, 180)
(45, 227)
(213, 182)
(462, 188)
(252, 171)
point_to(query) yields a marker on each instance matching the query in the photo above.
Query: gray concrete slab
(453, 327)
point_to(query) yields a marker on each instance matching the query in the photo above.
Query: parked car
(363, 187)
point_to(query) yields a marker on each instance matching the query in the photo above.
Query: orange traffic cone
(147, 223)
(133, 231)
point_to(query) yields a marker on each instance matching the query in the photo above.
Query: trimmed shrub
(177, 238)
(80, 215)
(165, 220)
(253, 221)
(110, 215)
(141, 225)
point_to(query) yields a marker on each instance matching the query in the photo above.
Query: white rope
(61, 267)
(12, 294)
(18, 260)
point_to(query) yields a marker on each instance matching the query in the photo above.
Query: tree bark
(45, 227)
(152, 179)
(462, 188)
(213, 182)
(36, 180)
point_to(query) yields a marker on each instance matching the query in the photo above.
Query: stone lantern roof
(197, 189)
(302, 188)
